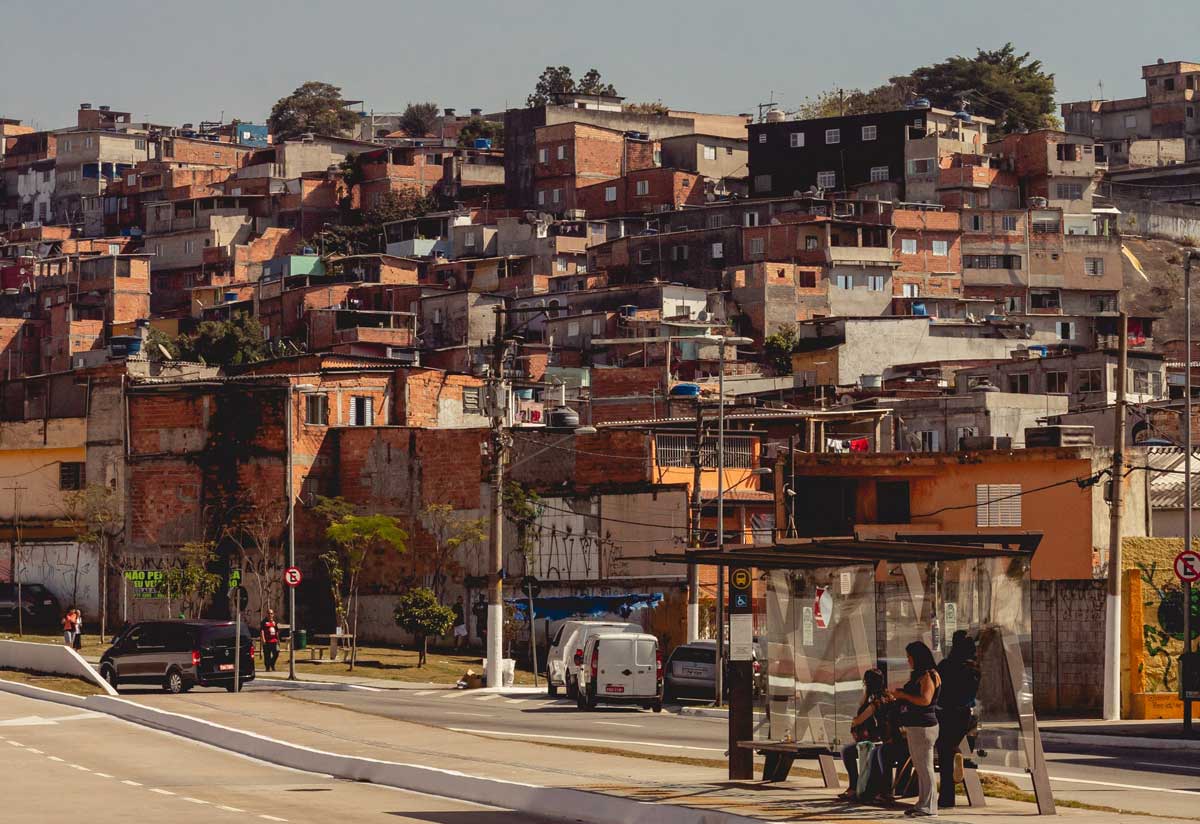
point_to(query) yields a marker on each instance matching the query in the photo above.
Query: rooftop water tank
(483, 143)
(564, 417)
(686, 390)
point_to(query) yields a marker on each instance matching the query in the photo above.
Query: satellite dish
(164, 351)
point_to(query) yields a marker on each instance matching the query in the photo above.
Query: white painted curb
(549, 802)
(1121, 741)
(53, 659)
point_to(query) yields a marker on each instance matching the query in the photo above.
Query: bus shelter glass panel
(820, 639)
(988, 599)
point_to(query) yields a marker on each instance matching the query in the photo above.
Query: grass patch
(58, 683)
(441, 666)
(93, 645)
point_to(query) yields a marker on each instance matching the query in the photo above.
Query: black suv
(39, 606)
(178, 655)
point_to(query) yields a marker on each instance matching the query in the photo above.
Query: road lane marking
(617, 724)
(230, 809)
(1172, 766)
(491, 697)
(517, 700)
(423, 693)
(130, 783)
(192, 800)
(161, 791)
(16, 743)
(101, 775)
(1192, 793)
(454, 693)
(33, 749)
(272, 818)
(55, 758)
(590, 740)
(469, 714)
(78, 767)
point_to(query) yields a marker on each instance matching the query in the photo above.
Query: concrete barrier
(52, 659)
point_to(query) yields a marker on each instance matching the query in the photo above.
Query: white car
(621, 668)
(566, 651)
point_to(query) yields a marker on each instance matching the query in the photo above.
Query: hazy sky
(172, 62)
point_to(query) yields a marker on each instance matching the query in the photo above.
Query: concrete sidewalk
(696, 785)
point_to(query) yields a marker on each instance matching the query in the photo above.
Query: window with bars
(470, 401)
(679, 450)
(997, 505)
(316, 410)
(71, 475)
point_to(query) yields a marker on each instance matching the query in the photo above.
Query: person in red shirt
(268, 633)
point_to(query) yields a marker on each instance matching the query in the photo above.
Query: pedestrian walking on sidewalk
(77, 641)
(68, 628)
(268, 633)
(960, 685)
(918, 716)
(460, 623)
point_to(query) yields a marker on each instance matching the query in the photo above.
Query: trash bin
(301, 639)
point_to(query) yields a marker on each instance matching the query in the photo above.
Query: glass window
(710, 152)
(796, 140)
(833, 136)
(1010, 223)
(762, 137)
(1091, 380)
(875, 283)
(610, 193)
(1056, 382)
(908, 246)
(1093, 266)
(543, 155)
(868, 132)
(316, 410)
(940, 248)
(643, 187)
(879, 174)
(362, 411)
(1019, 383)
(827, 180)
(762, 183)
(646, 649)
(71, 475)
(757, 245)
(562, 153)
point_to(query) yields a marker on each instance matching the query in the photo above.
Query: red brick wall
(419, 392)
(617, 382)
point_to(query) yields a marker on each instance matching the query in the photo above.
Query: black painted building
(836, 154)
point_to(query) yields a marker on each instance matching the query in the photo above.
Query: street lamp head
(728, 339)
(762, 470)
(304, 387)
(585, 430)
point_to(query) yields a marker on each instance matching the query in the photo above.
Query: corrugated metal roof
(1167, 484)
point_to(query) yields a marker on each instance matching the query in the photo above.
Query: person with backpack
(865, 727)
(918, 700)
(960, 685)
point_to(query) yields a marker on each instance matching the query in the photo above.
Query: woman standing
(918, 716)
(68, 628)
(77, 641)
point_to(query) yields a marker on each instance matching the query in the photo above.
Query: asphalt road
(62, 764)
(1158, 782)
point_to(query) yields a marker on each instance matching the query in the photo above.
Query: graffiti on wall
(1162, 629)
(567, 544)
(69, 570)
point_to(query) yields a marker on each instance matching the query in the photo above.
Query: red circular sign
(1187, 566)
(292, 576)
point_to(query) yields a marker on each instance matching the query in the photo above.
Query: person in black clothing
(918, 716)
(865, 726)
(960, 685)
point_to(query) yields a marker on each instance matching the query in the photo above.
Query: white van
(566, 648)
(621, 668)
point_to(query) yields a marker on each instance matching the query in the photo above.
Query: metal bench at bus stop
(780, 755)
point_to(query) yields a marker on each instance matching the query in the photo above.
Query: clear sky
(174, 62)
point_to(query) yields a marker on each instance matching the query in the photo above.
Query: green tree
(558, 80)
(522, 508)
(837, 102)
(477, 127)
(450, 532)
(418, 611)
(94, 513)
(419, 119)
(779, 348)
(355, 539)
(191, 582)
(651, 107)
(159, 346)
(313, 107)
(235, 341)
(1012, 88)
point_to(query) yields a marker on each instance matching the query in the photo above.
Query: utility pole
(1187, 661)
(693, 607)
(495, 575)
(16, 490)
(720, 675)
(288, 412)
(1112, 623)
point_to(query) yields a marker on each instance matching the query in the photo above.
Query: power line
(578, 451)
(1082, 482)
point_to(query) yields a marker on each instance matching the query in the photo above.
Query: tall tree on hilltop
(838, 102)
(419, 119)
(558, 80)
(477, 127)
(1001, 84)
(313, 107)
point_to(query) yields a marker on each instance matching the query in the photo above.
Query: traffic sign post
(741, 671)
(240, 599)
(1187, 570)
(292, 576)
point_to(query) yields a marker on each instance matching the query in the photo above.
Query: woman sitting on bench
(866, 726)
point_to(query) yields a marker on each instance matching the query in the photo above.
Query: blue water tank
(524, 394)
(483, 143)
(230, 297)
(686, 390)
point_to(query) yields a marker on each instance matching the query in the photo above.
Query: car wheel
(656, 706)
(109, 674)
(231, 688)
(173, 683)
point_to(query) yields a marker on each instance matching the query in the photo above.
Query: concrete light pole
(1192, 254)
(1112, 614)
(721, 340)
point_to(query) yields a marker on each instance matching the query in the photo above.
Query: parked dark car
(178, 655)
(39, 606)
(691, 672)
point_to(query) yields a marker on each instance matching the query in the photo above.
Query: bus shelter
(826, 610)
